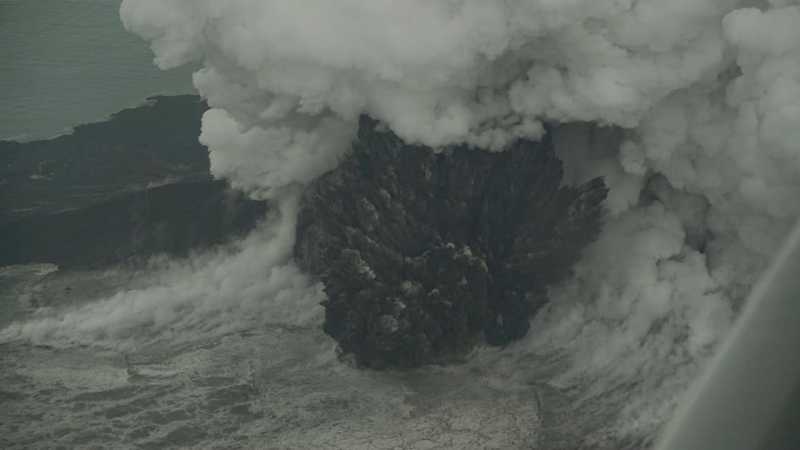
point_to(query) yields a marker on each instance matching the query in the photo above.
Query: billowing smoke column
(704, 170)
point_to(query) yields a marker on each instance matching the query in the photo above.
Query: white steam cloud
(704, 168)
(703, 165)
(252, 283)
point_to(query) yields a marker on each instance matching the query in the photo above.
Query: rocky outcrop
(424, 252)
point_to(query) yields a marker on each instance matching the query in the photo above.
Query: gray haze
(68, 62)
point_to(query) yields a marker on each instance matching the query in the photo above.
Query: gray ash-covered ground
(421, 251)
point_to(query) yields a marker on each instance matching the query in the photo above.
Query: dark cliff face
(173, 219)
(118, 191)
(422, 253)
(155, 143)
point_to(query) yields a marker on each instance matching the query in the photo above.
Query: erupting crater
(424, 252)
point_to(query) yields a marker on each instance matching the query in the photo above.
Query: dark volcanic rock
(423, 252)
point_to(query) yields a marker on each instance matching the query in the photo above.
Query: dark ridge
(421, 253)
(171, 219)
(150, 144)
(133, 186)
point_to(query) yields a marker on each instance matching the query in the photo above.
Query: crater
(424, 253)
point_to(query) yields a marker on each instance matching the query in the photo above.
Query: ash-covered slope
(421, 252)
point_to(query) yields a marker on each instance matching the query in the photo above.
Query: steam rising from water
(254, 282)
(704, 167)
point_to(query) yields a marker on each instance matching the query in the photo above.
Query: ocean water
(68, 62)
(279, 385)
(209, 356)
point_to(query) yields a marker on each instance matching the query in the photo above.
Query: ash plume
(687, 108)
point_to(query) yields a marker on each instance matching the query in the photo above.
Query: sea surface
(276, 384)
(68, 62)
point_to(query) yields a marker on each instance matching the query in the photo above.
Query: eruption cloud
(690, 109)
(706, 92)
